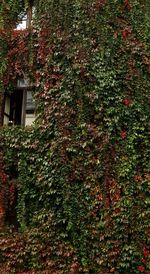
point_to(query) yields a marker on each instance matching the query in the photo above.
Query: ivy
(81, 171)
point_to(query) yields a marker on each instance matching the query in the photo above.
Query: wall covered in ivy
(79, 176)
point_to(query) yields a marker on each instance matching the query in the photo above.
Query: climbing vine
(81, 171)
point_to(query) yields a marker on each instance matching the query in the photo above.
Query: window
(29, 108)
(26, 17)
(23, 23)
(6, 110)
(19, 106)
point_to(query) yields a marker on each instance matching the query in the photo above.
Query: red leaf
(100, 4)
(125, 33)
(127, 5)
(123, 134)
(141, 268)
(127, 102)
(137, 178)
(145, 252)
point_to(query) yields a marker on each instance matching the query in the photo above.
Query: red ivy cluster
(17, 56)
(3, 180)
(127, 102)
(146, 254)
(100, 4)
(127, 5)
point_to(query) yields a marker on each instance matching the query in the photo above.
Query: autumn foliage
(80, 172)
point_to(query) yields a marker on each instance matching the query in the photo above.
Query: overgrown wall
(82, 169)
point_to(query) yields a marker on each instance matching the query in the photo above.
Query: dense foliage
(81, 172)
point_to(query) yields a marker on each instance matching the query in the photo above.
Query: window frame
(12, 120)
